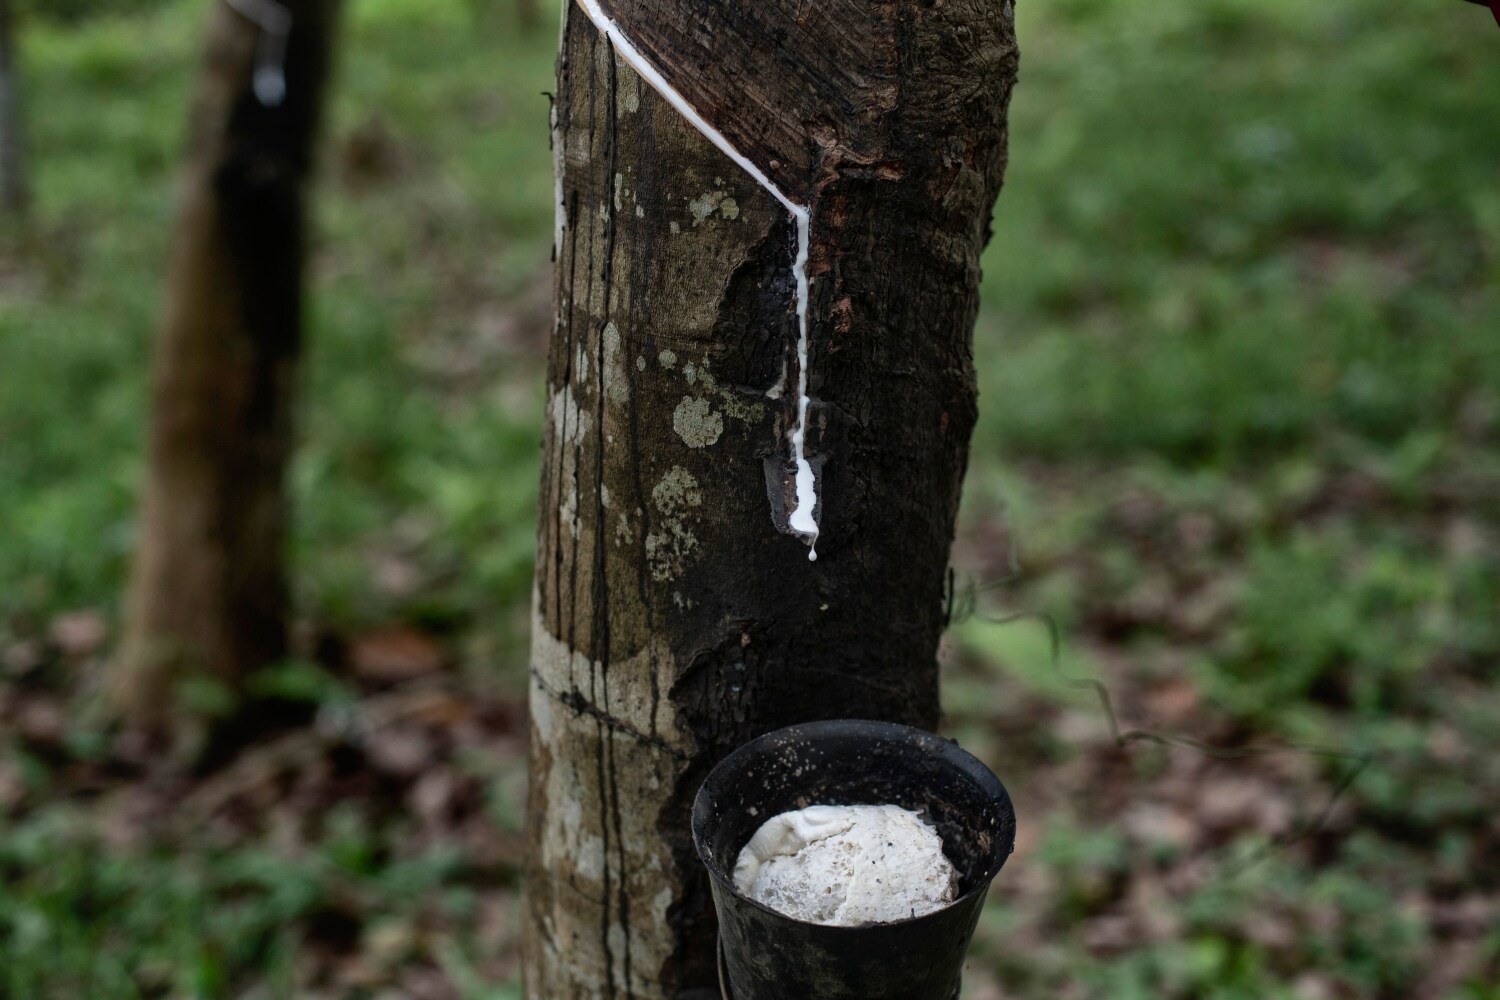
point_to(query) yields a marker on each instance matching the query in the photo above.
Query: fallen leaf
(404, 752)
(392, 655)
(79, 633)
(40, 720)
(1171, 703)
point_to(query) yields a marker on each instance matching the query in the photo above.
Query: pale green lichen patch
(708, 203)
(567, 510)
(568, 419)
(667, 551)
(731, 403)
(668, 547)
(676, 492)
(616, 385)
(667, 358)
(570, 426)
(704, 205)
(740, 409)
(696, 422)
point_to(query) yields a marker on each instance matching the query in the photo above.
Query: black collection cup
(767, 955)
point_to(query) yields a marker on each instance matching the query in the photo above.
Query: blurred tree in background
(527, 14)
(209, 594)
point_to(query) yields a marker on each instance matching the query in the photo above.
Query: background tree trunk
(527, 14)
(14, 189)
(208, 594)
(672, 620)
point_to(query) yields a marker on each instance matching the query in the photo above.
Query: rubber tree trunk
(673, 619)
(14, 189)
(208, 595)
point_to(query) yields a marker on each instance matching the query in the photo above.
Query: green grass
(1239, 357)
(1234, 228)
(81, 920)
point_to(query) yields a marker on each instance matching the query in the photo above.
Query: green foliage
(298, 681)
(80, 919)
(1230, 228)
(418, 412)
(74, 11)
(1333, 618)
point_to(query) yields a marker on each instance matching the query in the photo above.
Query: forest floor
(1240, 449)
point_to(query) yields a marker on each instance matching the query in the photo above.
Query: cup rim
(947, 749)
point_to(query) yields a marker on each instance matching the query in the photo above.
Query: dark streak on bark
(600, 581)
(596, 664)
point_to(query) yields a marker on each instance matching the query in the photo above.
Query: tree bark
(15, 192)
(674, 617)
(208, 595)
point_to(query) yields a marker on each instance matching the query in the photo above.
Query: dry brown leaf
(392, 655)
(79, 633)
(401, 751)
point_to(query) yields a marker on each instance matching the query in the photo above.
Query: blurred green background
(1240, 367)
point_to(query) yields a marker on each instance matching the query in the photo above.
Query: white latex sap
(847, 865)
(801, 518)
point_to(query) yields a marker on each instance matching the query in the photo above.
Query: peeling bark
(673, 620)
(208, 593)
